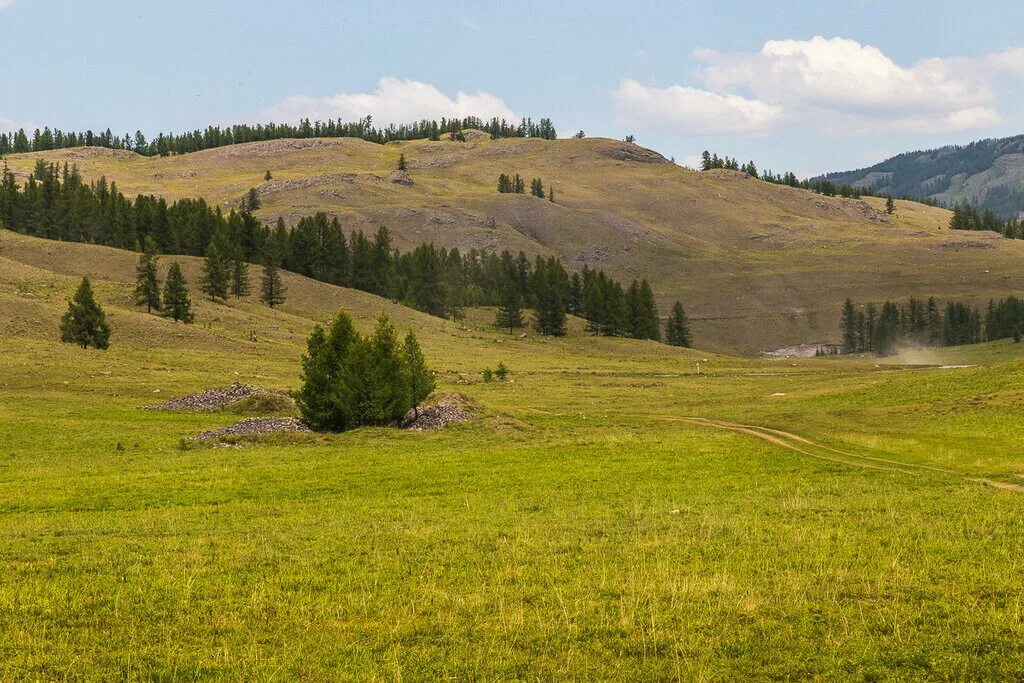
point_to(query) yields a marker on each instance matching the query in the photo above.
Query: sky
(795, 86)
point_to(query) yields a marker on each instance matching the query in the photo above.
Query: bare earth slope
(756, 265)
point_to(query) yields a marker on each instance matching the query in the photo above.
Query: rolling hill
(987, 173)
(757, 265)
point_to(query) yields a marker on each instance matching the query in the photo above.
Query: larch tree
(147, 283)
(177, 304)
(677, 329)
(421, 380)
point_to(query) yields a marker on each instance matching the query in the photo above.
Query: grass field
(587, 525)
(756, 265)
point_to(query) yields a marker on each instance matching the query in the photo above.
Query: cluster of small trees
(515, 184)
(915, 322)
(217, 136)
(968, 217)
(349, 380)
(174, 302)
(608, 308)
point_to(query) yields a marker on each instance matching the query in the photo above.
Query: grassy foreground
(581, 528)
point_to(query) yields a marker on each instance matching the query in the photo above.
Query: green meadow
(617, 509)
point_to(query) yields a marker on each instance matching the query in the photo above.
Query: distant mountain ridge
(988, 173)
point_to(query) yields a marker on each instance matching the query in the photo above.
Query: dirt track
(799, 444)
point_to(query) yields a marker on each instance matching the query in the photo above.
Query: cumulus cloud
(693, 109)
(833, 83)
(394, 101)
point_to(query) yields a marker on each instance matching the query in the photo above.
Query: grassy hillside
(616, 511)
(757, 265)
(988, 173)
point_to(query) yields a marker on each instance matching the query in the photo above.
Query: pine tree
(677, 329)
(216, 274)
(551, 193)
(848, 327)
(239, 275)
(421, 380)
(648, 326)
(272, 289)
(401, 162)
(147, 283)
(252, 202)
(268, 176)
(85, 323)
(890, 205)
(177, 304)
(510, 313)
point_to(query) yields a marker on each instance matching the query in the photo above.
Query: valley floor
(584, 527)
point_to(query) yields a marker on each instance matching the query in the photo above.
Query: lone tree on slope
(272, 289)
(85, 323)
(147, 285)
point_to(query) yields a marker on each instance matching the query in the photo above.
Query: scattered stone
(256, 425)
(401, 178)
(211, 399)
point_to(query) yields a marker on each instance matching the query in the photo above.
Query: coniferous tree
(177, 304)
(272, 289)
(85, 323)
(239, 275)
(890, 205)
(268, 176)
(401, 162)
(252, 202)
(677, 329)
(510, 314)
(383, 395)
(421, 380)
(318, 398)
(848, 327)
(537, 188)
(549, 317)
(216, 274)
(147, 283)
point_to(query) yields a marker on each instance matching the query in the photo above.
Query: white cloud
(6, 3)
(470, 24)
(832, 83)
(692, 109)
(394, 101)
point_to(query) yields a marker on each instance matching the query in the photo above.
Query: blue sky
(802, 86)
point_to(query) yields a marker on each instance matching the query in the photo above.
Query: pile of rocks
(211, 399)
(256, 425)
(435, 417)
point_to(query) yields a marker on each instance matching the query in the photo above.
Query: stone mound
(435, 417)
(211, 399)
(251, 426)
